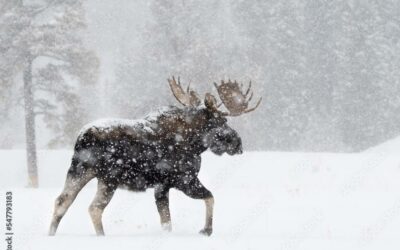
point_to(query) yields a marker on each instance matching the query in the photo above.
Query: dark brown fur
(162, 151)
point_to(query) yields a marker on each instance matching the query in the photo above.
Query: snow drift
(264, 200)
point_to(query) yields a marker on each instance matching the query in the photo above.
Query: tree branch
(42, 9)
(56, 57)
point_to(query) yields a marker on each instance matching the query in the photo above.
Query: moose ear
(211, 102)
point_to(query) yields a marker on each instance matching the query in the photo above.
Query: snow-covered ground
(264, 200)
(389, 147)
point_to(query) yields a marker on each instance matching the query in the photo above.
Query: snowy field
(264, 200)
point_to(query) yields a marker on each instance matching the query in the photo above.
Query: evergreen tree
(43, 42)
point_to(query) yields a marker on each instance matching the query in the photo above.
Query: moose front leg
(196, 190)
(161, 194)
(209, 216)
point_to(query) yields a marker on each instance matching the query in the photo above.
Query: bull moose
(161, 151)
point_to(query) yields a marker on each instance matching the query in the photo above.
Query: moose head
(207, 124)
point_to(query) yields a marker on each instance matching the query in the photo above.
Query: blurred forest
(328, 71)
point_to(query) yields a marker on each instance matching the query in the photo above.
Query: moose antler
(231, 94)
(234, 99)
(188, 98)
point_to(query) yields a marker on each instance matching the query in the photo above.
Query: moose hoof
(52, 232)
(206, 231)
(167, 227)
(100, 233)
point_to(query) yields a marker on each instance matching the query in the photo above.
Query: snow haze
(320, 167)
(327, 71)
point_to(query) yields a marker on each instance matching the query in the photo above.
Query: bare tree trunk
(30, 127)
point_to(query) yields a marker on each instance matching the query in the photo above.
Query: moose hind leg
(196, 190)
(73, 185)
(103, 196)
(161, 195)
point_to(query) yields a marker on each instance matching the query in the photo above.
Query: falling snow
(315, 166)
